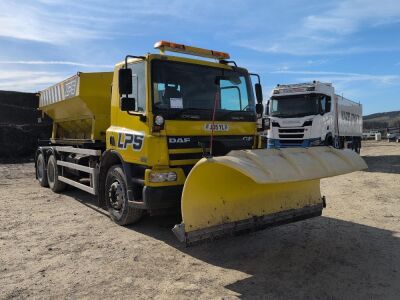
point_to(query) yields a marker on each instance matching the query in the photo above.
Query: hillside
(382, 120)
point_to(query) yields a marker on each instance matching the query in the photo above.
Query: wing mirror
(128, 104)
(259, 109)
(125, 81)
(259, 94)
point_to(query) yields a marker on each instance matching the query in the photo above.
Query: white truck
(311, 114)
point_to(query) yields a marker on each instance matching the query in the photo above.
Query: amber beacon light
(180, 48)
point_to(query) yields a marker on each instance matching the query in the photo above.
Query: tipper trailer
(311, 114)
(165, 132)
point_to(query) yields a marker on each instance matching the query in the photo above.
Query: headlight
(162, 176)
(267, 123)
(159, 120)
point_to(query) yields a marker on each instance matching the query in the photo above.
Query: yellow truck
(165, 132)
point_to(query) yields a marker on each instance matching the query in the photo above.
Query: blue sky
(354, 44)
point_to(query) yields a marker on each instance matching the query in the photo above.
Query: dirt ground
(62, 246)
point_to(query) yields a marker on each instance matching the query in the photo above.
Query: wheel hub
(116, 195)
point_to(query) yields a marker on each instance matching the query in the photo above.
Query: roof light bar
(180, 48)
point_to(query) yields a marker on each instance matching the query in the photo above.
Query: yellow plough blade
(253, 189)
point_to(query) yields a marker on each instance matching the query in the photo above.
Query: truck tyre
(117, 198)
(41, 173)
(357, 146)
(328, 141)
(52, 175)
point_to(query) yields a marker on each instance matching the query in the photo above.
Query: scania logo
(290, 121)
(179, 140)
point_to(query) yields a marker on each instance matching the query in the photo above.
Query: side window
(322, 104)
(274, 105)
(139, 85)
(328, 104)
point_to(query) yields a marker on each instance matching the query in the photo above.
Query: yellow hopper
(254, 189)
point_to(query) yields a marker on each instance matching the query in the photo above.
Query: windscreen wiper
(281, 116)
(303, 115)
(231, 112)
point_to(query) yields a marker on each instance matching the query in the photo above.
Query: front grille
(291, 133)
(230, 142)
(290, 130)
(179, 156)
(189, 149)
(291, 142)
(291, 136)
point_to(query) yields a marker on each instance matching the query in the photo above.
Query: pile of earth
(19, 126)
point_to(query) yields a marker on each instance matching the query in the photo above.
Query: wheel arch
(108, 159)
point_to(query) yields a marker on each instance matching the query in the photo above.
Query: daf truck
(311, 114)
(164, 132)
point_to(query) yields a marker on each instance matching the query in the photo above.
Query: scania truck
(166, 132)
(311, 114)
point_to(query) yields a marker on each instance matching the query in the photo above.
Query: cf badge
(126, 139)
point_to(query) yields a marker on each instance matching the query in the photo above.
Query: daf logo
(179, 140)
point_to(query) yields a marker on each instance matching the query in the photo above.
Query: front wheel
(117, 198)
(357, 148)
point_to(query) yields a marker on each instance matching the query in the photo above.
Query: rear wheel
(117, 198)
(52, 175)
(41, 173)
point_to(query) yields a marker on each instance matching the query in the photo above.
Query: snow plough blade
(254, 189)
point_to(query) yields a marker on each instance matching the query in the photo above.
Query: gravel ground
(63, 246)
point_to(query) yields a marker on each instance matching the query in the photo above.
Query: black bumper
(162, 197)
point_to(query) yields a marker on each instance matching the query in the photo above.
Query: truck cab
(167, 112)
(301, 115)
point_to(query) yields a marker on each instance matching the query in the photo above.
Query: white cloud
(64, 22)
(44, 62)
(29, 81)
(328, 76)
(329, 31)
(35, 22)
(305, 47)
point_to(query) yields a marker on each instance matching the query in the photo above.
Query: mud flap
(253, 189)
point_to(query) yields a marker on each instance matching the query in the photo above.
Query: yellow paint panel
(181, 162)
(82, 109)
(187, 150)
(215, 194)
(187, 128)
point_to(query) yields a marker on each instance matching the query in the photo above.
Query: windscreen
(299, 105)
(183, 87)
